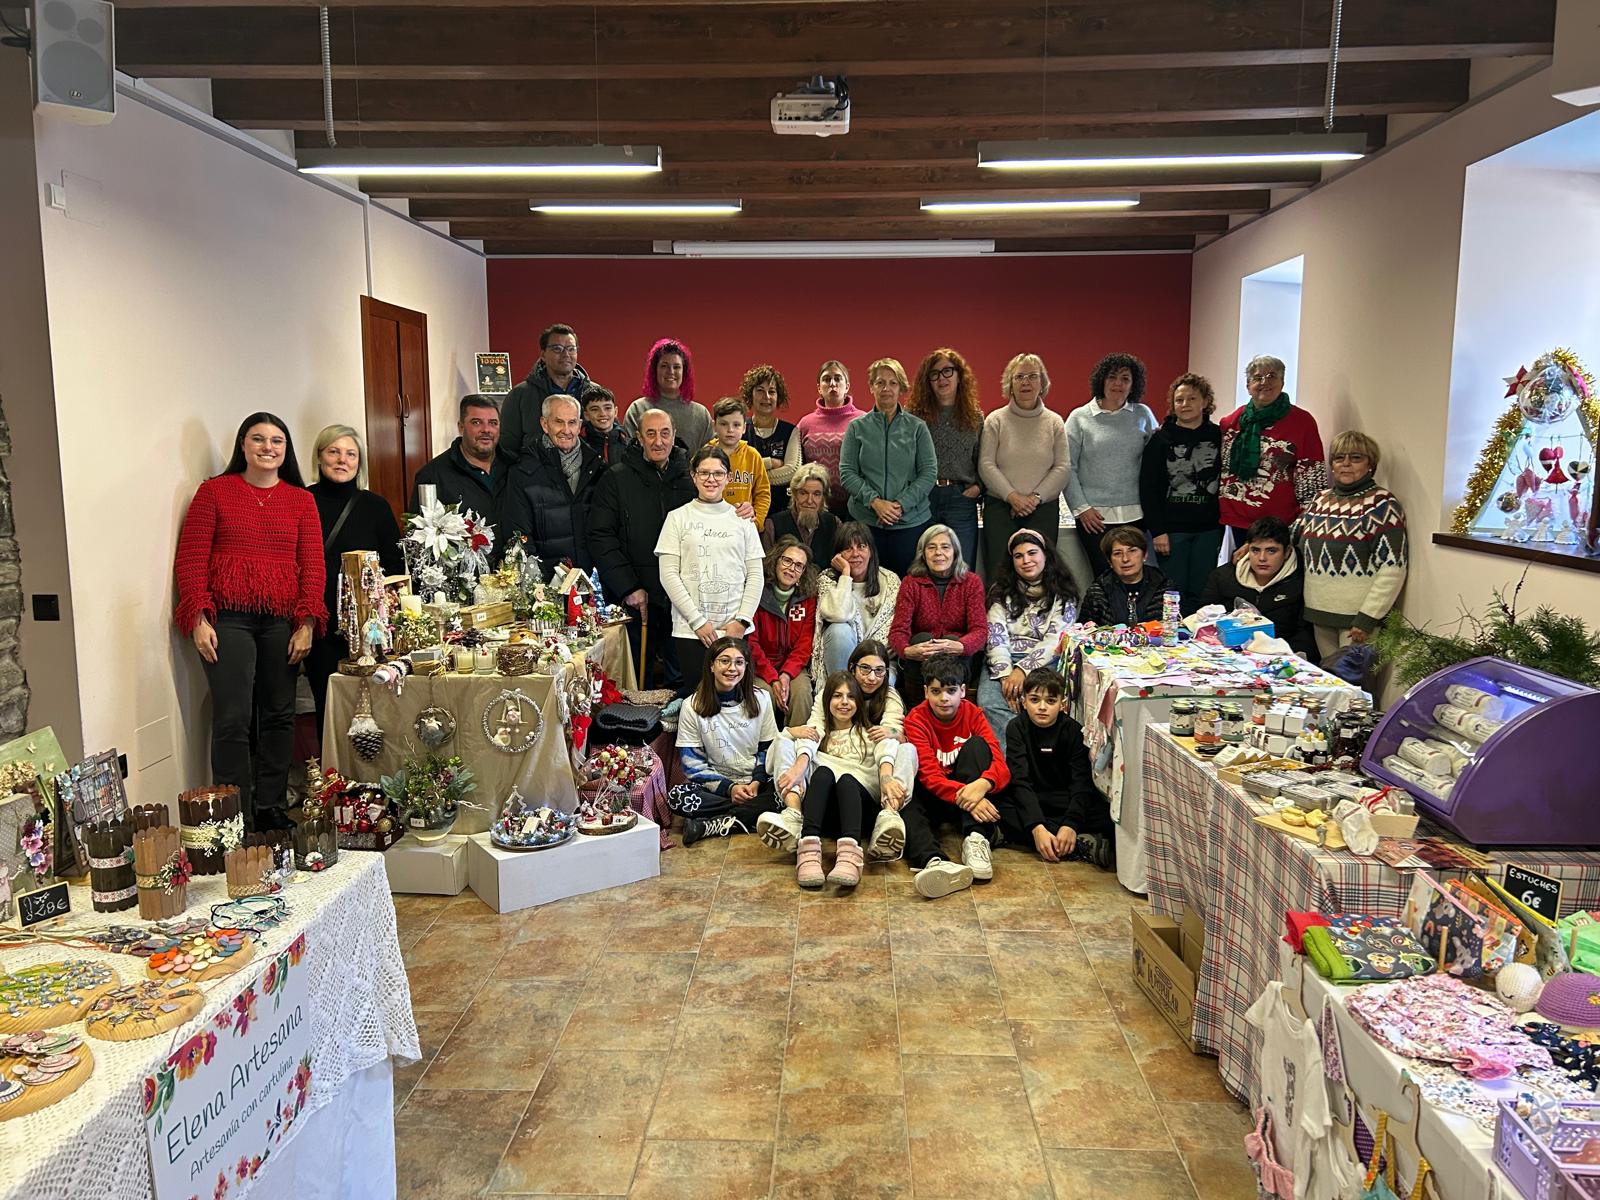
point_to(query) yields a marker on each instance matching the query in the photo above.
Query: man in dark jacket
(1052, 802)
(1267, 577)
(472, 472)
(547, 499)
(630, 505)
(557, 373)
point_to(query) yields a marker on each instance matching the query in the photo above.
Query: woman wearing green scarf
(1272, 461)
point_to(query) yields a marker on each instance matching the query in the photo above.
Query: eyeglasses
(708, 476)
(1023, 376)
(871, 672)
(1350, 458)
(1262, 376)
(729, 661)
(794, 564)
(943, 372)
(564, 351)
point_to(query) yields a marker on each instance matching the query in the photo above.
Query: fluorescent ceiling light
(568, 161)
(950, 248)
(1092, 153)
(653, 208)
(992, 206)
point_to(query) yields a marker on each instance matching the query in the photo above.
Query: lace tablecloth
(92, 1146)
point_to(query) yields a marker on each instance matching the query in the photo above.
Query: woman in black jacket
(1131, 593)
(352, 519)
(1268, 578)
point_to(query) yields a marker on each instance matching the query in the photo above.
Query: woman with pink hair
(669, 387)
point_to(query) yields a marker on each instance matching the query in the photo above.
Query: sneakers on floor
(1097, 848)
(780, 830)
(847, 865)
(888, 840)
(808, 863)
(975, 853)
(940, 878)
(695, 828)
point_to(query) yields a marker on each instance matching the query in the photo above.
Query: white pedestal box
(508, 880)
(437, 869)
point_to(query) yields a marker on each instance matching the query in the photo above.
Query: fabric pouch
(1377, 948)
(1445, 927)
(1499, 926)
(1325, 956)
(1550, 953)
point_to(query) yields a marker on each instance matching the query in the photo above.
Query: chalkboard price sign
(1539, 892)
(44, 905)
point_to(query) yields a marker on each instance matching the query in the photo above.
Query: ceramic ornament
(51, 994)
(143, 1009)
(40, 1069)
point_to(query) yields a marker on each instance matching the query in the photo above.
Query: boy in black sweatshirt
(1052, 801)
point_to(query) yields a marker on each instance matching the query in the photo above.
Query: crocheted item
(1353, 549)
(251, 550)
(1572, 999)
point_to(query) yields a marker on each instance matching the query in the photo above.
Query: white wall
(210, 284)
(1378, 307)
(1269, 323)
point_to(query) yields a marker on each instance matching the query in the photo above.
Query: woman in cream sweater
(1022, 460)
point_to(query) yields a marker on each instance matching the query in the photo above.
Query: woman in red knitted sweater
(939, 610)
(250, 578)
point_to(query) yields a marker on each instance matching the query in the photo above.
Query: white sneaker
(888, 839)
(780, 830)
(940, 878)
(975, 853)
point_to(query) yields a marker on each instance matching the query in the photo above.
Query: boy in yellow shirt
(749, 490)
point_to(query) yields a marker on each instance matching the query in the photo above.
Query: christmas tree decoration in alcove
(1534, 481)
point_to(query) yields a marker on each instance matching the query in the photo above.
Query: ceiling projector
(820, 108)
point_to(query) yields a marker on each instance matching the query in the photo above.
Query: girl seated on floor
(849, 775)
(725, 730)
(885, 718)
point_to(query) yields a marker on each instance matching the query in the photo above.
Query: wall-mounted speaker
(74, 60)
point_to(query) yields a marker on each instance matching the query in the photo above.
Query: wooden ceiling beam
(878, 207)
(549, 229)
(977, 105)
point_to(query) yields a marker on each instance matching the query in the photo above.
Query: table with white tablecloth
(93, 1142)
(1116, 694)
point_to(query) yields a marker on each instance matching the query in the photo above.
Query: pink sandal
(808, 863)
(847, 866)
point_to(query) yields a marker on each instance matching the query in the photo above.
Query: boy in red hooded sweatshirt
(960, 768)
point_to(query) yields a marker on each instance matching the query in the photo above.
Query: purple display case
(1533, 782)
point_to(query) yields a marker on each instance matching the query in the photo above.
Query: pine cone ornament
(366, 738)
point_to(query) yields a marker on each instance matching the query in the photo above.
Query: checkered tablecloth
(1205, 851)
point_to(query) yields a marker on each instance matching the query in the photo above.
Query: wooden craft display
(143, 1009)
(157, 850)
(51, 994)
(150, 816)
(111, 874)
(248, 868)
(18, 1097)
(196, 947)
(211, 819)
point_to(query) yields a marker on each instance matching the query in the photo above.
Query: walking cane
(644, 638)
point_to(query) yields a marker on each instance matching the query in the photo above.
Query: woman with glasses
(945, 395)
(1105, 441)
(785, 628)
(1352, 540)
(822, 430)
(888, 467)
(1022, 459)
(669, 386)
(711, 563)
(1271, 453)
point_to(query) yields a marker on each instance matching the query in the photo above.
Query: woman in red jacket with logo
(250, 576)
(786, 626)
(939, 610)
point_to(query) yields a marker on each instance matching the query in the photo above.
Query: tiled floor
(717, 1032)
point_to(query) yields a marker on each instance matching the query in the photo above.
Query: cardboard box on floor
(436, 869)
(1192, 939)
(1159, 970)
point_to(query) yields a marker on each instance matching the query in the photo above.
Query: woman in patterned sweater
(1352, 542)
(1031, 603)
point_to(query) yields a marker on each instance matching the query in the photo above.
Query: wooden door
(394, 353)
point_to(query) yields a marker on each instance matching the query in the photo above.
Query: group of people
(805, 541)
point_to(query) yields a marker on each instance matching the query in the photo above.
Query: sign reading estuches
(229, 1096)
(1539, 892)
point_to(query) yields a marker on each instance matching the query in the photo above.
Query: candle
(411, 605)
(438, 599)
(483, 661)
(464, 661)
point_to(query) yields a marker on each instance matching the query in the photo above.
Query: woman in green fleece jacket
(887, 464)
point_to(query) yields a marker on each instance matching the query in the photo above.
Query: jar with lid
(1181, 723)
(1233, 724)
(1259, 707)
(1207, 729)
